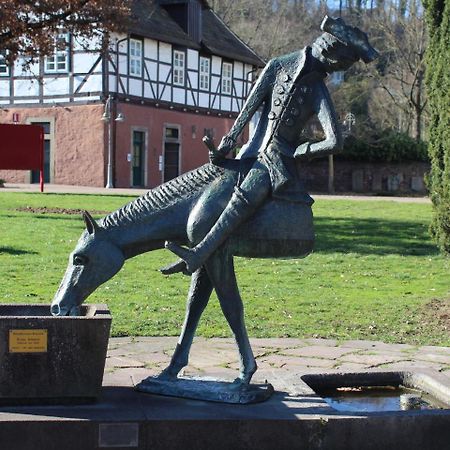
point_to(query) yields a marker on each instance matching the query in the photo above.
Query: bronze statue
(292, 90)
(254, 205)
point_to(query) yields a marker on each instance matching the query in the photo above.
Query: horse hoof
(165, 375)
(176, 267)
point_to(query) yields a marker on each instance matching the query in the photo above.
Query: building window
(135, 57)
(227, 77)
(178, 68)
(171, 152)
(204, 73)
(59, 61)
(4, 69)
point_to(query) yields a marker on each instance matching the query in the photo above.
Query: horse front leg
(198, 297)
(220, 267)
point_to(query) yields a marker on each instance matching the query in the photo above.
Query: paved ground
(60, 189)
(280, 361)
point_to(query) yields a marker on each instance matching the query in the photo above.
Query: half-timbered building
(135, 113)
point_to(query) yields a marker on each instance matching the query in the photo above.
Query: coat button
(277, 102)
(280, 90)
(272, 115)
(286, 78)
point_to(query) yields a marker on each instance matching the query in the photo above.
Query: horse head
(94, 260)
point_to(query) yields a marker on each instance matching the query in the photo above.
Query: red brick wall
(78, 143)
(152, 120)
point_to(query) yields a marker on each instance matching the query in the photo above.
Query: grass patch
(374, 274)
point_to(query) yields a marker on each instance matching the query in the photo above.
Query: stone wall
(351, 176)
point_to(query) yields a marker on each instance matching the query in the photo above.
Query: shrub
(389, 146)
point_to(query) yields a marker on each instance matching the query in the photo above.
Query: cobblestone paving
(279, 360)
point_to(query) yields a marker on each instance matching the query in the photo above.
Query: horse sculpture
(182, 210)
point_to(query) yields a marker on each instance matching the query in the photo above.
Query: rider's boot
(238, 209)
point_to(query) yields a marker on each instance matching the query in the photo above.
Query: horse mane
(181, 188)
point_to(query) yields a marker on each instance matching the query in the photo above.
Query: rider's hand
(215, 156)
(227, 144)
(303, 151)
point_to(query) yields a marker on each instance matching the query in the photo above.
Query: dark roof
(151, 20)
(220, 40)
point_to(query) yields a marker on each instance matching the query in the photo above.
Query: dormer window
(59, 61)
(135, 57)
(204, 73)
(227, 77)
(4, 68)
(178, 67)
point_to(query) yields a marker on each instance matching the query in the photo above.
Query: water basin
(379, 398)
(380, 391)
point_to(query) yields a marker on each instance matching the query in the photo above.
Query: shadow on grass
(372, 237)
(16, 251)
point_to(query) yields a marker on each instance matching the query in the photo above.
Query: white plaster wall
(150, 48)
(164, 72)
(93, 43)
(165, 52)
(112, 83)
(4, 88)
(216, 64)
(135, 87)
(166, 95)
(214, 83)
(190, 100)
(203, 100)
(192, 59)
(237, 105)
(193, 78)
(83, 62)
(148, 91)
(28, 101)
(28, 87)
(215, 104)
(56, 86)
(238, 69)
(239, 85)
(31, 71)
(179, 95)
(93, 83)
(226, 103)
(123, 86)
(152, 69)
(123, 64)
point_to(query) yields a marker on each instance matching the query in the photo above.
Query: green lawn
(374, 274)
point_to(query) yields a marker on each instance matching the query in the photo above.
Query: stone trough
(46, 359)
(380, 391)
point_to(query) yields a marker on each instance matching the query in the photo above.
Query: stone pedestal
(46, 359)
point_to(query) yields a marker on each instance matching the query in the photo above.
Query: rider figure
(292, 89)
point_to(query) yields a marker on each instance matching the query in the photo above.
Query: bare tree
(29, 27)
(400, 73)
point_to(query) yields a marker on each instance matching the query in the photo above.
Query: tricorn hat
(351, 36)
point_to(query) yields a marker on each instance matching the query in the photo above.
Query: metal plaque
(28, 341)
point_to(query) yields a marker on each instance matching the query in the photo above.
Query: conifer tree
(438, 84)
